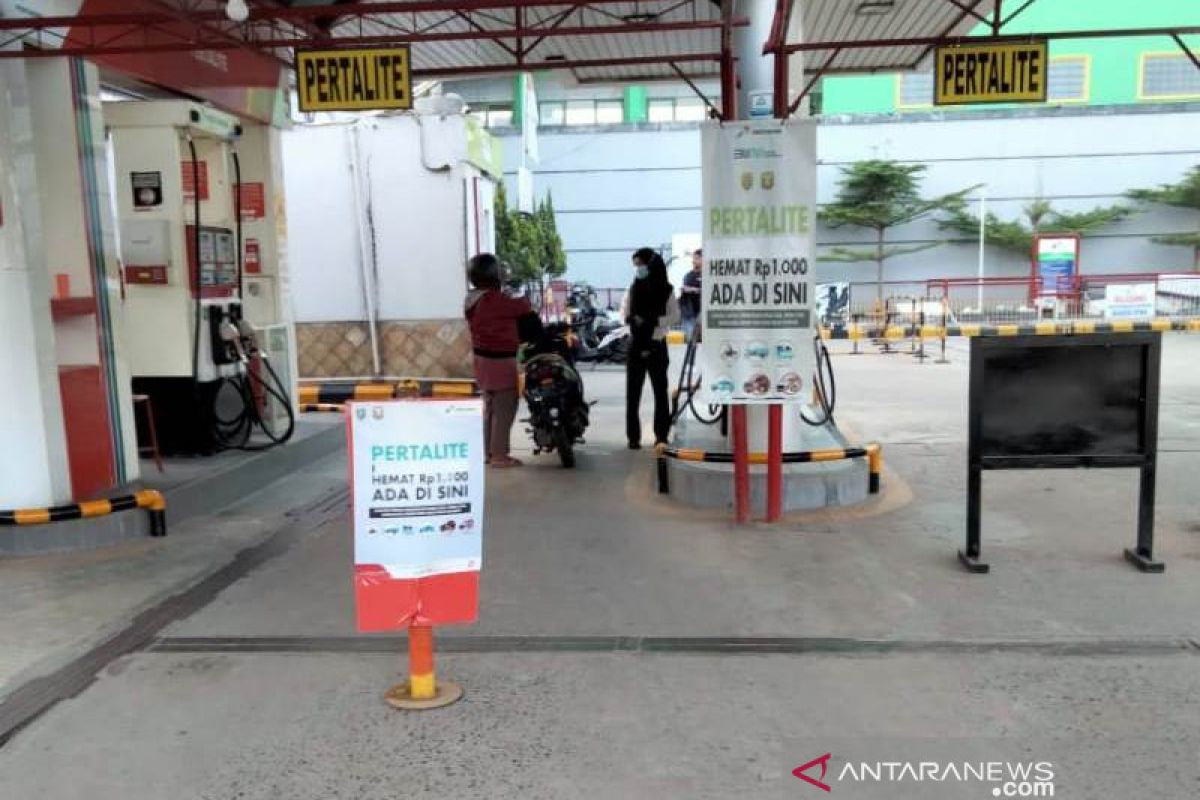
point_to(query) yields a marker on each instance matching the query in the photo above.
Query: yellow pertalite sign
(991, 73)
(354, 79)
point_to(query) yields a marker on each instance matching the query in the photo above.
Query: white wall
(413, 186)
(420, 216)
(323, 244)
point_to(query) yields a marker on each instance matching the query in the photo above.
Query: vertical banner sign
(529, 118)
(760, 198)
(417, 486)
(1057, 262)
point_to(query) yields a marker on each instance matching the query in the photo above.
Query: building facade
(623, 162)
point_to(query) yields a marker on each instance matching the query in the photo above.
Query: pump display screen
(1084, 396)
(208, 250)
(217, 264)
(224, 246)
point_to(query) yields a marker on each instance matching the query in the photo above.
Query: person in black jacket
(689, 293)
(650, 309)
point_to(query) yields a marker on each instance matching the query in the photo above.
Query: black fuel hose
(826, 390)
(233, 433)
(237, 221)
(687, 388)
(826, 385)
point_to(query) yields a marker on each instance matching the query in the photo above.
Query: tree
(529, 243)
(1039, 217)
(554, 258)
(504, 225)
(881, 195)
(518, 241)
(1185, 194)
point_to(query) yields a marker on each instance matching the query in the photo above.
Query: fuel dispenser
(192, 350)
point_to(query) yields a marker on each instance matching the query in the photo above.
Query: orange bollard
(422, 689)
(422, 682)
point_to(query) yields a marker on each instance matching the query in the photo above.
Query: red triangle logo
(817, 782)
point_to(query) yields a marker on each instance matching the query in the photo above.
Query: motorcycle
(614, 346)
(602, 336)
(558, 413)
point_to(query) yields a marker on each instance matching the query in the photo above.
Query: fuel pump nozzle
(230, 334)
(249, 338)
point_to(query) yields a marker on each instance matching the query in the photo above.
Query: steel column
(728, 64)
(1186, 50)
(780, 110)
(755, 74)
(741, 466)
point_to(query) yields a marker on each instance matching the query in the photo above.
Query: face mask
(642, 272)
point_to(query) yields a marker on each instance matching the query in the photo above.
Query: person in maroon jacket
(493, 319)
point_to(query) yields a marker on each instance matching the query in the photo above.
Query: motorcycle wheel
(565, 447)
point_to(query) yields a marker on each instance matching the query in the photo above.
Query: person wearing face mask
(650, 309)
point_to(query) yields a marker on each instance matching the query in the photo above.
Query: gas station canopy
(596, 40)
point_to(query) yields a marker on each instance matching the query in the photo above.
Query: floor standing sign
(417, 482)
(760, 196)
(1056, 262)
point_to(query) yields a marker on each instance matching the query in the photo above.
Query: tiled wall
(426, 349)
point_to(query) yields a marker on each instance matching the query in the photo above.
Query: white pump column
(67, 431)
(33, 449)
(756, 78)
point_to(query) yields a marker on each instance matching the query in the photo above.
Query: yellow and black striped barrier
(147, 499)
(1045, 328)
(322, 408)
(327, 396)
(872, 452)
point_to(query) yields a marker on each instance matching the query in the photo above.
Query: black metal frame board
(1063, 402)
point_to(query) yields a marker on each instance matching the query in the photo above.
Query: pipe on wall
(366, 246)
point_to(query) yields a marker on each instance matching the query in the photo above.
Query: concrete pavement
(262, 727)
(59, 606)
(1063, 650)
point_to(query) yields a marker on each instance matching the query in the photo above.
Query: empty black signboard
(1041, 402)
